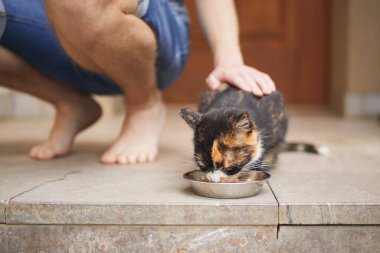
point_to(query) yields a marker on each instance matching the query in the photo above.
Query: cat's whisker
(255, 166)
(269, 164)
(198, 157)
(264, 132)
(264, 135)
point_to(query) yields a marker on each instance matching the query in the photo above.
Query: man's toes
(108, 158)
(152, 156)
(132, 158)
(41, 153)
(142, 157)
(122, 159)
(129, 157)
(33, 153)
(46, 154)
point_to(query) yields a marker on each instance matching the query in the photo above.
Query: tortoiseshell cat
(235, 131)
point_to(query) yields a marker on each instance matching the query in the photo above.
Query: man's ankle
(153, 101)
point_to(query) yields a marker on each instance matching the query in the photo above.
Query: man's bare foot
(71, 117)
(138, 140)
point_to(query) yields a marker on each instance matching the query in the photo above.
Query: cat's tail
(305, 147)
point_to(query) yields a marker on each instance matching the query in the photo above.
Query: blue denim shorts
(24, 29)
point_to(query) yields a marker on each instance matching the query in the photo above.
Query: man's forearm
(219, 23)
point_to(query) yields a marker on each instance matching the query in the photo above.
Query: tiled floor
(339, 189)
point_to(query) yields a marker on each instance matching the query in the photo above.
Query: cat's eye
(218, 165)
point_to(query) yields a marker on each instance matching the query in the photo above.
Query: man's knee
(74, 7)
(103, 29)
(125, 35)
(141, 35)
(87, 23)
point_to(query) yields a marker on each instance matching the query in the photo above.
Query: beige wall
(364, 46)
(355, 57)
(338, 43)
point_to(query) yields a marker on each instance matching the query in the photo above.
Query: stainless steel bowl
(247, 185)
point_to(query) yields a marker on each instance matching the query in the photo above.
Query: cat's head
(225, 142)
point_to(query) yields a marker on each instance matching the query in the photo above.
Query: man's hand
(242, 76)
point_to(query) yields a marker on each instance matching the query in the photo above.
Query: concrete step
(78, 202)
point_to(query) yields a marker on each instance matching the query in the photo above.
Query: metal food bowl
(246, 185)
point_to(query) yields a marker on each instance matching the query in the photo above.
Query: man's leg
(123, 47)
(75, 111)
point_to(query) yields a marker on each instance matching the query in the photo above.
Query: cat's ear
(191, 117)
(243, 123)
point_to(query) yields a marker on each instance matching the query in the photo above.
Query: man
(62, 51)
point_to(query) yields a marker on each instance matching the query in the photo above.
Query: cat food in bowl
(244, 186)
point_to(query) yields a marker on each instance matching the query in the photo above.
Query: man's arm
(219, 23)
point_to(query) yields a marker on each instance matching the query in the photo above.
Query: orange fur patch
(239, 138)
(231, 140)
(216, 155)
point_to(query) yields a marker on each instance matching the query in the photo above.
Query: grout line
(278, 208)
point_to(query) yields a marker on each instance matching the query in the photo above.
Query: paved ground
(335, 191)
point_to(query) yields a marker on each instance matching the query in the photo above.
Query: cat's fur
(235, 131)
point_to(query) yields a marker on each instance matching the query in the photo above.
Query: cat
(235, 132)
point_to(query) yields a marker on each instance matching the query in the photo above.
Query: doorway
(288, 39)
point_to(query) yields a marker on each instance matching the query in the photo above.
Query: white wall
(19, 105)
(355, 57)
